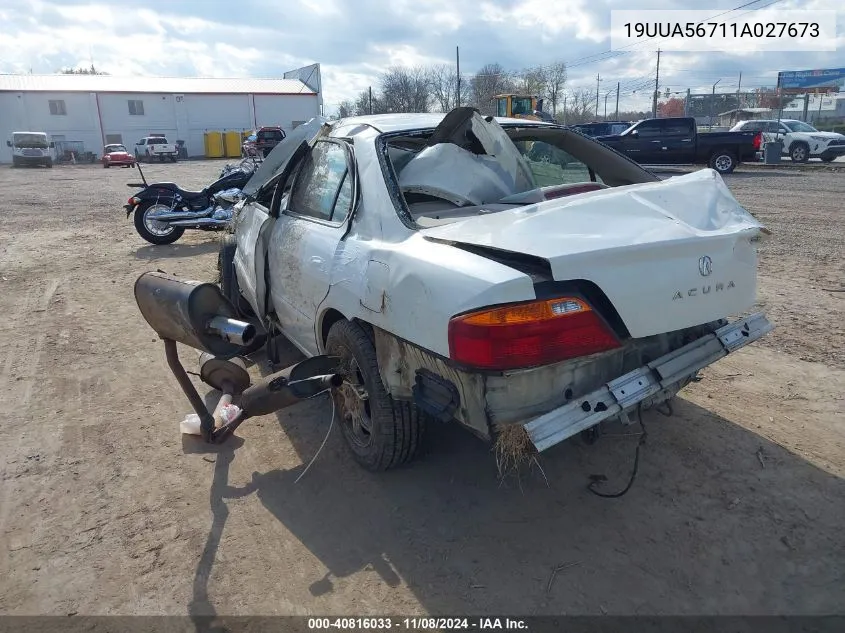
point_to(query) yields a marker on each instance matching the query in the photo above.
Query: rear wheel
(381, 432)
(828, 159)
(105, 165)
(15, 162)
(49, 163)
(723, 161)
(152, 230)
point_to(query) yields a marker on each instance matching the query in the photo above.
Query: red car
(118, 156)
(262, 141)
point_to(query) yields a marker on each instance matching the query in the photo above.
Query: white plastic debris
(230, 413)
(191, 424)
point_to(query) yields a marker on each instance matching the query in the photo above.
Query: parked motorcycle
(163, 210)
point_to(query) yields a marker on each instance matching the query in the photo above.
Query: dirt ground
(738, 508)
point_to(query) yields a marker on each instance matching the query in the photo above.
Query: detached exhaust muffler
(198, 315)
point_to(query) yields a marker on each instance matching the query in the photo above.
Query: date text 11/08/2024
(417, 624)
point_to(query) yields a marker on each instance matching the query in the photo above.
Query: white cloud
(356, 41)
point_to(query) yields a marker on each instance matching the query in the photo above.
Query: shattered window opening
(322, 189)
(558, 162)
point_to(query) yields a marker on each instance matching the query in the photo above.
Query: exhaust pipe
(288, 386)
(193, 313)
(232, 330)
(200, 222)
(169, 216)
(198, 315)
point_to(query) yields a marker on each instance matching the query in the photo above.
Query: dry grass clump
(514, 449)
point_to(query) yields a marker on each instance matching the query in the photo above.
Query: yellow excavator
(521, 107)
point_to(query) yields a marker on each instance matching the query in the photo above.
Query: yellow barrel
(232, 142)
(214, 145)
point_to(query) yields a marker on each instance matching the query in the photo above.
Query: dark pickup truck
(676, 140)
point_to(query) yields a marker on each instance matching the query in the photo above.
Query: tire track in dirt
(26, 355)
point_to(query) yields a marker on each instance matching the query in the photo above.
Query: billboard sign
(811, 81)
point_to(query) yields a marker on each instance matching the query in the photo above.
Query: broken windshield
(30, 140)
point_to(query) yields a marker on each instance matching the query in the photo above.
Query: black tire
(15, 162)
(174, 234)
(173, 159)
(49, 163)
(828, 159)
(228, 279)
(228, 282)
(105, 165)
(147, 156)
(395, 427)
(799, 152)
(723, 161)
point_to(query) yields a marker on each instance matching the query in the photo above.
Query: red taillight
(758, 140)
(528, 334)
(132, 200)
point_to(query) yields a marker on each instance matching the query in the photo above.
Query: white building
(819, 108)
(98, 109)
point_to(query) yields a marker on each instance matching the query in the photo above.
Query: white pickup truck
(152, 148)
(31, 148)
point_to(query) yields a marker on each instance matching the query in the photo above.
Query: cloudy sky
(355, 39)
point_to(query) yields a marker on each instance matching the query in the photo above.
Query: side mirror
(52, 144)
(635, 133)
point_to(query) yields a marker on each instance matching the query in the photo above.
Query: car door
(642, 144)
(305, 240)
(678, 144)
(254, 217)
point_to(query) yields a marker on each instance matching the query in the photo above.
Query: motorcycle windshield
(276, 160)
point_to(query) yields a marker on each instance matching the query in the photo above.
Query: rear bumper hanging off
(656, 381)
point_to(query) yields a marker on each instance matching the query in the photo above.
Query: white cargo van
(31, 148)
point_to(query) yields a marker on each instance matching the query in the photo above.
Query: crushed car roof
(415, 121)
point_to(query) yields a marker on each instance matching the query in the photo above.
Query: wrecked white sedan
(508, 274)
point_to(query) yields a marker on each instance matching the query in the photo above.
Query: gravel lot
(105, 509)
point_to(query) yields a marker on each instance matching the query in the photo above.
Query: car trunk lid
(668, 255)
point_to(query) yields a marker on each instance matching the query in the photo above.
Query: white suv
(801, 141)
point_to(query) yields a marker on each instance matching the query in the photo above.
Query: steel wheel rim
(798, 153)
(723, 162)
(354, 411)
(154, 226)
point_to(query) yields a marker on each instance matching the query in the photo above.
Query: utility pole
(616, 116)
(458, 70)
(598, 79)
(656, 83)
(712, 102)
(686, 104)
(564, 109)
(371, 99)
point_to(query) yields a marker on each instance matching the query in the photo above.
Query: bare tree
(555, 82)
(345, 108)
(405, 89)
(443, 82)
(362, 104)
(532, 82)
(82, 71)
(580, 105)
(490, 80)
